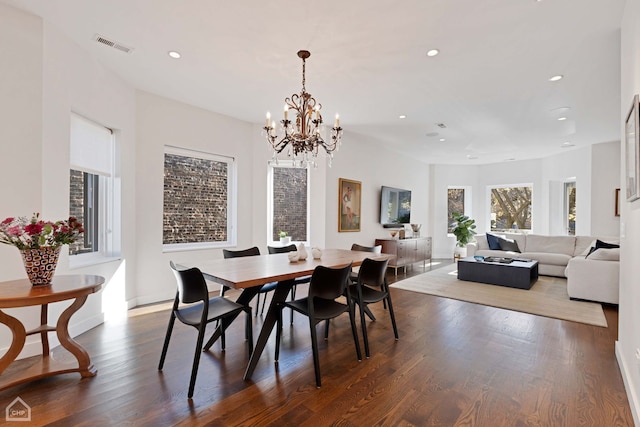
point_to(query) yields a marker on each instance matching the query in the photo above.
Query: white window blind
(91, 147)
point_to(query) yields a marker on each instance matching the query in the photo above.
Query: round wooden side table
(20, 293)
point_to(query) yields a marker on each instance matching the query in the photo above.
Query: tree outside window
(510, 208)
(455, 204)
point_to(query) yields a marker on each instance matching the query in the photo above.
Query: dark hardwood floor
(456, 364)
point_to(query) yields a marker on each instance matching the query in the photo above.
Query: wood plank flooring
(456, 364)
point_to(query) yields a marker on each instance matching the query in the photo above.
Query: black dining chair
(298, 281)
(354, 273)
(326, 286)
(264, 289)
(372, 287)
(193, 307)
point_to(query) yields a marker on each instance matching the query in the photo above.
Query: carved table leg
(86, 369)
(17, 343)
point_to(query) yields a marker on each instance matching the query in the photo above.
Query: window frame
(232, 170)
(107, 205)
(270, 200)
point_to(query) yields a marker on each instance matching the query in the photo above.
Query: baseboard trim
(632, 395)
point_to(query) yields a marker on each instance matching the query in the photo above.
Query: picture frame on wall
(349, 204)
(632, 151)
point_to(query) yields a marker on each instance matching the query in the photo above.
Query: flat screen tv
(395, 207)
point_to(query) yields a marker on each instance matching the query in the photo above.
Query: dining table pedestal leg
(279, 296)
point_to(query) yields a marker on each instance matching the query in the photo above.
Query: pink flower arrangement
(35, 233)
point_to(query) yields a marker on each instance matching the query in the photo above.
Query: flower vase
(40, 264)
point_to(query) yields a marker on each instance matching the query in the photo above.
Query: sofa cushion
(605, 254)
(508, 245)
(493, 241)
(583, 245)
(551, 244)
(548, 258)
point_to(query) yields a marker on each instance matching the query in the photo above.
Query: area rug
(547, 297)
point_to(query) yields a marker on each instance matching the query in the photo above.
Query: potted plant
(285, 239)
(464, 230)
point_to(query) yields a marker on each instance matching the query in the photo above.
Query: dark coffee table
(519, 273)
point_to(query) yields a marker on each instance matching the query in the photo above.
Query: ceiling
(489, 85)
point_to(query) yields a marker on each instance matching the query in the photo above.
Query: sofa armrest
(472, 248)
(593, 280)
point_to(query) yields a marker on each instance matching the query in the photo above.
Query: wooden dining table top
(246, 272)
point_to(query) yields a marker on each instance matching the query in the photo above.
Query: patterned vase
(40, 264)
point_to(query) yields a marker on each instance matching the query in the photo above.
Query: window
(511, 208)
(570, 208)
(91, 188)
(289, 204)
(455, 204)
(199, 202)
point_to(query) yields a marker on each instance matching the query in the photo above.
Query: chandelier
(303, 137)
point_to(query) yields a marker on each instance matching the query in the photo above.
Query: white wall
(46, 78)
(606, 159)
(629, 314)
(374, 166)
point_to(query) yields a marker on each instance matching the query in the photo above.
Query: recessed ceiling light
(556, 78)
(442, 140)
(567, 144)
(174, 54)
(471, 157)
(562, 118)
(402, 116)
(432, 52)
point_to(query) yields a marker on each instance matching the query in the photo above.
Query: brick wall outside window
(195, 200)
(290, 202)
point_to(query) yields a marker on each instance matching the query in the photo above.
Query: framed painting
(617, 205)
(349, 198)
(632, 151)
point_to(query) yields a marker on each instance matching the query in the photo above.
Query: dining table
(249, 273)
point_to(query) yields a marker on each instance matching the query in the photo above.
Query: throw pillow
(602, 245)
(604, 254)
(493, 241)
(508, 245)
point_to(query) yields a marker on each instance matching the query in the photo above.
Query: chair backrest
(328, 283)
(191, 285)
(282, 249)
(372, 272)
(245, 252)
(375, 249)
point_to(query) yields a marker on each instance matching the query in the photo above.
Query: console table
(20, 293)
(406, 251)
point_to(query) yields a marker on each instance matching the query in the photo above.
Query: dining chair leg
(352, 318)
(249, 329)
(257, 303)
(314, 348)
(278, 332)
(393, 317)
(196, 361)
(264, 302)
(293, 297)
(165, 346)
(326, 329)
(363, 324)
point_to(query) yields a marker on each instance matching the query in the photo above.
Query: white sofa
(595, 278)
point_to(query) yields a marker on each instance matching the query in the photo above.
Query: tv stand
(406, 252)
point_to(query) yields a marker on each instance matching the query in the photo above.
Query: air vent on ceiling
(105, 41)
